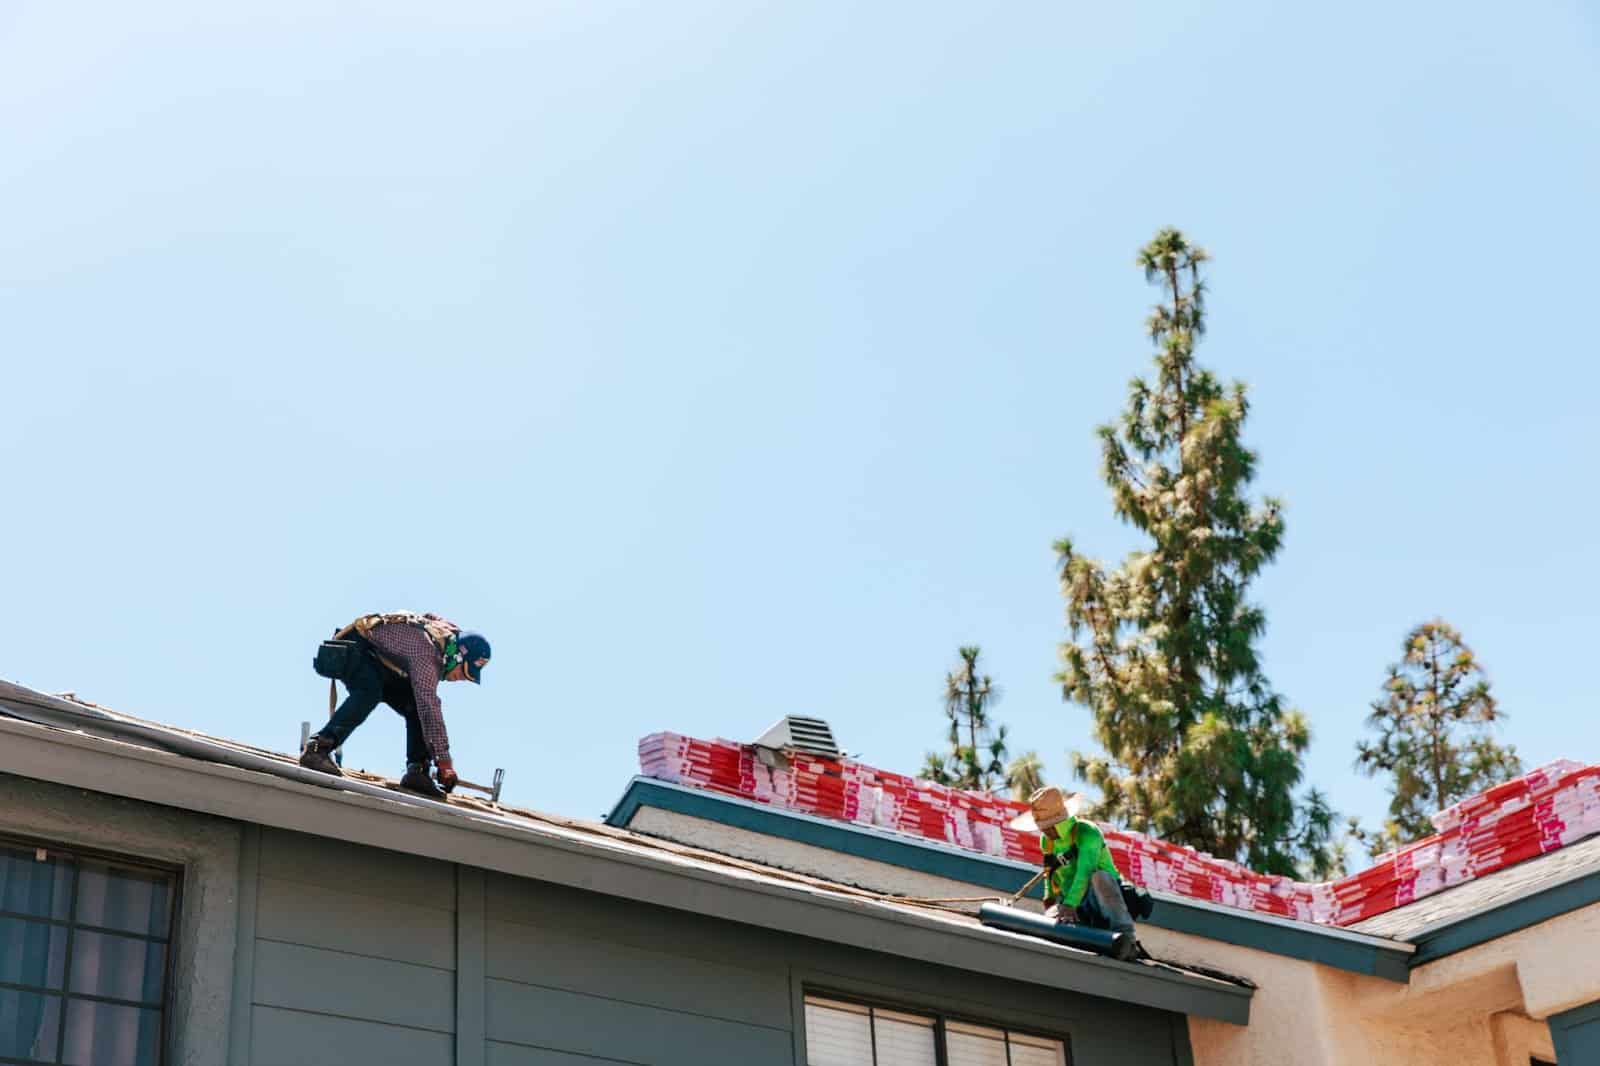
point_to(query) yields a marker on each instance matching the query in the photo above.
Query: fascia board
(1501, 919)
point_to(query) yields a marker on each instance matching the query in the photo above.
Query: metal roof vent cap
(795, 733)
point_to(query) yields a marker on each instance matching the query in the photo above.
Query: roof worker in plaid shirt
(399, 658)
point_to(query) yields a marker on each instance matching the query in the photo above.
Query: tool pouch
(1139, 902)
(336, 659)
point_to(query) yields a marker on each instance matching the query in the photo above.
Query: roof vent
(801, 734)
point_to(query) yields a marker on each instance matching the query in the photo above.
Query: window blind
(904, 1039)
(841, 1033)
(974, 1045)
(1036, 1051)
(837, 1034)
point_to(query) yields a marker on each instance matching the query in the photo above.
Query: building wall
(351, 955)
(1485, 1006)
(207, 848)
(572, 978)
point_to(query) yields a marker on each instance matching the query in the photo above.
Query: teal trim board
(1576, 1034)
(1299, 940)
(1519, 913)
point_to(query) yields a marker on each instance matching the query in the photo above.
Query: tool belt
(336, 660)
(1139, 902)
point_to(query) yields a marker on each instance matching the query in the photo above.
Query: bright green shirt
(1083, 851)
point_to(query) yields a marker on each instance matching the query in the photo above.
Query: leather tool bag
(1139, 902)
(336, 659)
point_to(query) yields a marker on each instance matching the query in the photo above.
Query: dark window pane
(120, 967)
(32, 953)
(103, 1034)
(29, 1024)
(130, 900)
(28, 886)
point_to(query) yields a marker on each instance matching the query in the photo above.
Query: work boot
(318, 756)
(419, 781)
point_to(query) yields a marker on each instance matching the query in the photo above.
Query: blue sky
(722, 361)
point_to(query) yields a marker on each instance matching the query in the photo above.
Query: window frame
(940, 1016)
(174, 872)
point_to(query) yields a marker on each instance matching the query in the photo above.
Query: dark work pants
(1103, 906)
(369, 684)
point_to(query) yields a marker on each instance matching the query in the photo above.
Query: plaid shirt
(410, 649)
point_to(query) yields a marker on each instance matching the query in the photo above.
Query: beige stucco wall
(1481, 1007)
(792, 855)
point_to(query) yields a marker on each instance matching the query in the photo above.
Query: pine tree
(1434, 728)
(1025, 775)
(1199, 749)
(976, 756)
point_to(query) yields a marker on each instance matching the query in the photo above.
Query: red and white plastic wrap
(1541, 811)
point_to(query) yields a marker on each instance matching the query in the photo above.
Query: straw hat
(1049, 806)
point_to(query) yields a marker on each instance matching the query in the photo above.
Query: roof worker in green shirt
(1083, 884)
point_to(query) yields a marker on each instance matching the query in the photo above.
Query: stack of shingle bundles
(1504, 798)
(765, 784)
(820, 787)
(1545, 809)
(708, 763)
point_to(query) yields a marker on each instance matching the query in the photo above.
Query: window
(85, 946)
(844, 1033)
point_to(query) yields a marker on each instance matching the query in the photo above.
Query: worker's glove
(1066, 915)
(446, 775)
(1052, 861)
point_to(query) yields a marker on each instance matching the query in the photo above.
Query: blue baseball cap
(476, 648)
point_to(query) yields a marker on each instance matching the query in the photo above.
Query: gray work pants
(1103, 906)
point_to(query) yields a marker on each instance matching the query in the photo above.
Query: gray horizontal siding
(517, 1055)
(607, 1028)
(575, 979)
(354, 956)
(625, 923)
(350, 965)
(354, 986)
(580, 962)
(299, 913)
(292, 1038)
(354, 868)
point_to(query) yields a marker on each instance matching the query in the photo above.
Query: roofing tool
(1082, 937)
(1023, 891)
(492, 791)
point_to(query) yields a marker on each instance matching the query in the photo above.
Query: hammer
(492, 791)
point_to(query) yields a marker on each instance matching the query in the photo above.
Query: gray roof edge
(394, 822)
(1444, 925)
(1342, 948)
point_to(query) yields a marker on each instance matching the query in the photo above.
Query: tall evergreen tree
(977, 751)
(1435, 726)
(1198, 747)
(1025, 775)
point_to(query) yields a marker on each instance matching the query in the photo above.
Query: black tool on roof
(1082, 937)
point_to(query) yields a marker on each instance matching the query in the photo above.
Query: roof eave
(1331, 946)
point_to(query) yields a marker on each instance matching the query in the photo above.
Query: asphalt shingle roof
(1487, 892)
